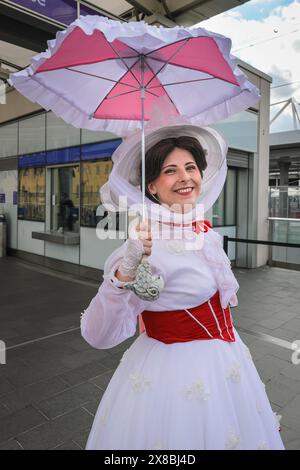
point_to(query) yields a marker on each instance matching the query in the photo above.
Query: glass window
(218, 211)
(284, 201)
(9, 140)
(32, 134)
(60, 134)
(293, 233)
(88, 137)
(65, 198)
(224, 209)
(31, 201)
(94, 175)
(240, 130)
(230, 199)
(294, 203)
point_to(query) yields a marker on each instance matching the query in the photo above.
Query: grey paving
(53, 381)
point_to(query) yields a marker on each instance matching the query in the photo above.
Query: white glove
(132, 257)
(138, 245)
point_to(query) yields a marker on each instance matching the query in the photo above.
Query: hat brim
(127, 159)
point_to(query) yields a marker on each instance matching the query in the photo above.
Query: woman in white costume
(188, 381)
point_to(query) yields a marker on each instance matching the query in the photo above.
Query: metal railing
(227, 239)
(269, 243)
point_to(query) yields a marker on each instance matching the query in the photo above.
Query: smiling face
(179, 181)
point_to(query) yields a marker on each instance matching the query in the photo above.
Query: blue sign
(99, 150)
(71, 154)
(15, 198)
(63, 11)
(31, 160)
(94, 151)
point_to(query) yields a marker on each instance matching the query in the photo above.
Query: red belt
(207, 321)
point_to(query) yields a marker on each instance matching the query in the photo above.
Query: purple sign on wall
(64, 11)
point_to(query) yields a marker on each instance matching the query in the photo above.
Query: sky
(266, 34)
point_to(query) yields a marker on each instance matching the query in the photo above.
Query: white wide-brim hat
(124, 179)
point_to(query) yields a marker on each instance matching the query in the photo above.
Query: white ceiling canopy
(16, 55)
(12, 59)
(166, 12)
(116, 7)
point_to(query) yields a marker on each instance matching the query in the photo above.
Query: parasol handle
(143, 134)
(145, 285)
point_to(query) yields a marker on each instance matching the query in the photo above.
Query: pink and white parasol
(95, 72)
(104, 74)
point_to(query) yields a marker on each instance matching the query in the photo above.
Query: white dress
(196, 395)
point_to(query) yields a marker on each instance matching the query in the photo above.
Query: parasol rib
(167, 62)
(102, 78)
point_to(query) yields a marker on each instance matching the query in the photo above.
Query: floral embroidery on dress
(175, 246)
(258, 406)
(197, 391)
(81, 315)
(232, 441)
(233, 372)
(277, 420)
(263, 446)
(139, 382)
(157, 446)
(104, 417)
(248, 353)
(124, 355)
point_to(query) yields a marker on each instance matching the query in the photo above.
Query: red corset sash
(206, 321)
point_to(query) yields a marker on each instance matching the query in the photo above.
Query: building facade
(50, 175)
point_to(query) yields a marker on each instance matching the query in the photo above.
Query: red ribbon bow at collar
(201, 226)
(198, 225)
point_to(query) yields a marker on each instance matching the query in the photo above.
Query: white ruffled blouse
(191, 277)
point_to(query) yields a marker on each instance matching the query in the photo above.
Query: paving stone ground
(52, 382)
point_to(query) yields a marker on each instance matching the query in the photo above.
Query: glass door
(65, 198)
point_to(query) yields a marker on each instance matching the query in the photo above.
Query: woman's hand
(143, 230)
(138, 245)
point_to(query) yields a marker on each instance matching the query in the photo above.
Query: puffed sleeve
(221, 265)
(111, 316)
